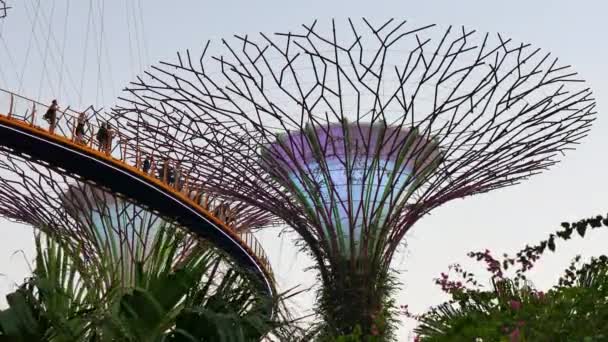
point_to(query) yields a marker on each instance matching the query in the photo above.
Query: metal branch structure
(3, 9)
(351, 132)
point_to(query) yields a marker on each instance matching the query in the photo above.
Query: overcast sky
(87, 53)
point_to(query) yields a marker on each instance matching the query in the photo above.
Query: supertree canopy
(112, 221)
(351, 178)
(350, 133)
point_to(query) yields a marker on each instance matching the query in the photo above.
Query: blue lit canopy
(125, 228)
(352, 179)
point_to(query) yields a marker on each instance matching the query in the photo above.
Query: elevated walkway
(23, 131)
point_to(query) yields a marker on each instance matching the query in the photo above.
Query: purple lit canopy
(351, 178)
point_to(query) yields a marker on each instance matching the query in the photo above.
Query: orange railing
(25, 111)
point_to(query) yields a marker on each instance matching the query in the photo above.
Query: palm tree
(197, 299)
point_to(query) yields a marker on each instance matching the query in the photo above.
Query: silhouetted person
(224, 213)
(102, 136)
(51, 115)
(171, 176)
(162, 170)
(81, 122)
(147, 164)
(110, 135)
(178, 176)
(167, 173)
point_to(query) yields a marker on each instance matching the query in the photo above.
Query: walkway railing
(28, 112)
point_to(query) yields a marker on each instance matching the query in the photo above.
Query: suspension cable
(86, 49)
(53, 59)
(143, 33)
(29, 44)
(99, 36)
(129, 35)
(137, 41)
(46, 52)
(65, 32)
(8, 53)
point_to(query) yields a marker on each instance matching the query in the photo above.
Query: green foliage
(357, 306)
(171, 296)
(508, 311)
(576, 309)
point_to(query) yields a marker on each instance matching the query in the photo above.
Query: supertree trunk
(351, 133)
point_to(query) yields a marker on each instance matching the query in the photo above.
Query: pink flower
(514, 336)
(515, 305)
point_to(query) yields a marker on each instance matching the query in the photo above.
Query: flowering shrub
(576, 309)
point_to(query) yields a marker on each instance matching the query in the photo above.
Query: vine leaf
(551, 243)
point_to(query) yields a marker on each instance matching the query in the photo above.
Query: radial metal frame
(499, 111)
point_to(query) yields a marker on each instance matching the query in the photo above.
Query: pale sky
(502, 221)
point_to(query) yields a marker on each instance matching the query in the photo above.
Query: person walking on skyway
(81, 122)
(166, 173)
(147, 164)
(51, 116)
(102, 137)
(110, 135)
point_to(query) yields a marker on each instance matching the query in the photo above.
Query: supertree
(351, 133)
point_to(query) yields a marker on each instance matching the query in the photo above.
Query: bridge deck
(114, 171)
